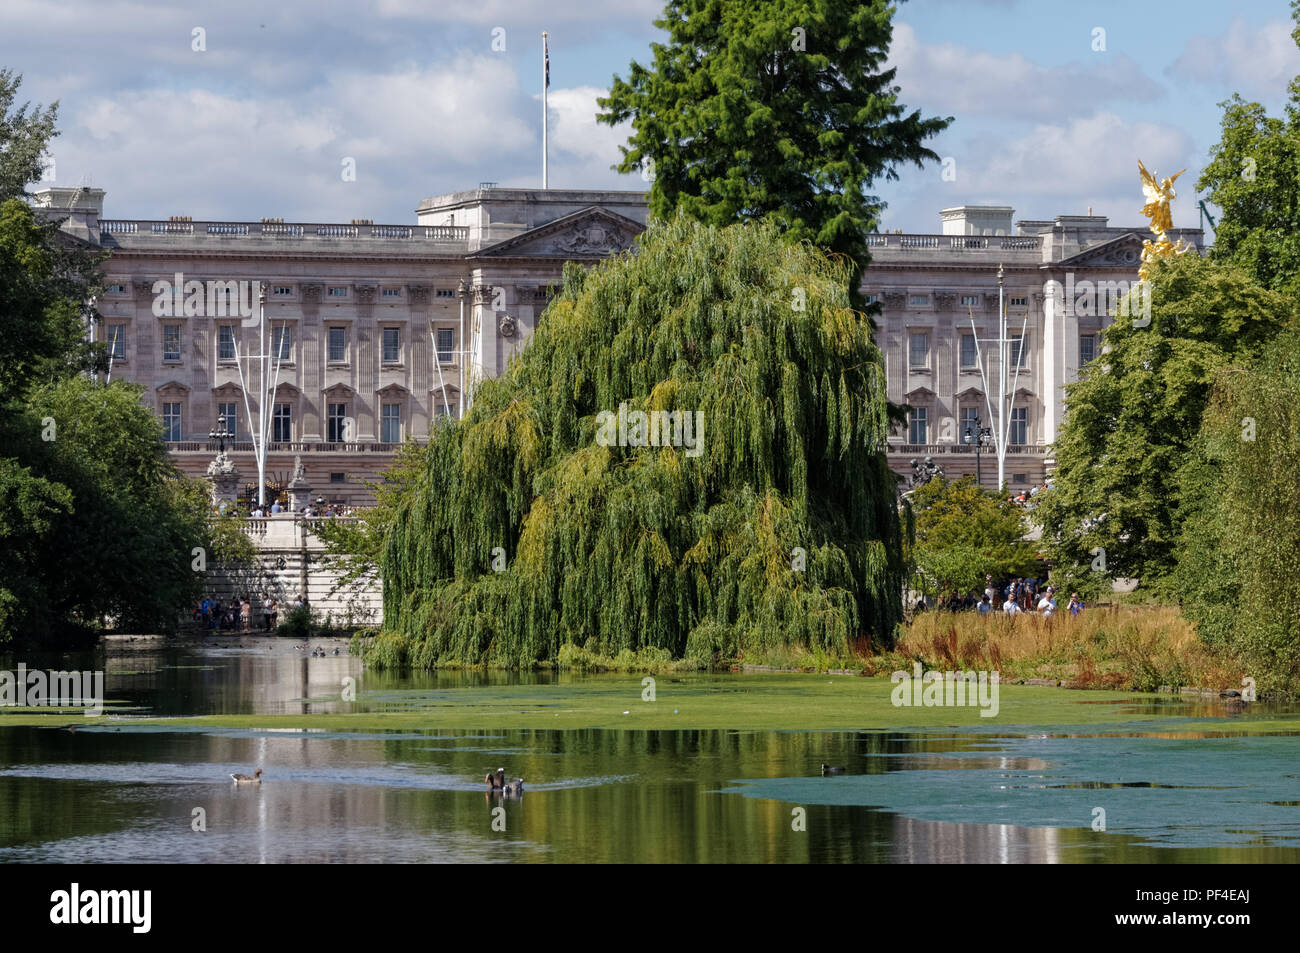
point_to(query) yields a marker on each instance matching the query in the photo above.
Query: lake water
(124, 793)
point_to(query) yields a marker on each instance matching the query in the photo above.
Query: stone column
(311, 361)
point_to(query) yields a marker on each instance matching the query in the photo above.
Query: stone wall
(292, 563)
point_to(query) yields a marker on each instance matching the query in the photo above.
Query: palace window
(392, 345)
(230, 410)
(336, 423)
(225, 343)
(446, 345)
(338, 345)
(117, 341)
(970, 300)
(1087, 348)
(917, 425)
(970, 422)
(391, 293)
(920, 300)
(337, 292)
(171, 342)
(871, 299)
(171, 414)
(1018, 303)
(282, 291)
(1018, 350)
(919, 350)
(338, 478)
(117, 289)
(1020, 426)
(444, 293)
(282, 423)
(391, 424)
(969, 356)
(282, 343)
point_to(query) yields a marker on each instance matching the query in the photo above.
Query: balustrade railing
(279, 230)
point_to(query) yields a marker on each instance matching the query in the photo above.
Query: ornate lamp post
(221, 434)
(977, 437)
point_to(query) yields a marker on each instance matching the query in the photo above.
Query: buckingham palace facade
(380, 329)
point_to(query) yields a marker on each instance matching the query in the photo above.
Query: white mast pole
(1002, 386)
(546, 80)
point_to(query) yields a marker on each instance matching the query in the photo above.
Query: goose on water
(827, 770)
(514, 788)
(255, 778)
(497, 781)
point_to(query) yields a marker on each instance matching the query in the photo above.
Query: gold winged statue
(1158, 195)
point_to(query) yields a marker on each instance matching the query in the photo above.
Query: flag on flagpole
(546, 56)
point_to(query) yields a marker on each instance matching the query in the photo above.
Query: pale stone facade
(368, 307)
(365, 309)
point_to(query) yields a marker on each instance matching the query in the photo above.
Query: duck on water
(254, 778)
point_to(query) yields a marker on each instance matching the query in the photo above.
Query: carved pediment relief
(589, 233)
(173, 389)
(1122, 252)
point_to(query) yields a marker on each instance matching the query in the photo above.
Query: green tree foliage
(1134, 413)
(94, 521)
(964, 532)
(24, 135)
(1238, 572)
(102, 526)
(621, 548)
(1252, 176)
(772, 109)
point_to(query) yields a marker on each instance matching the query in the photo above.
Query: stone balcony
(209, 447)
(310, 238)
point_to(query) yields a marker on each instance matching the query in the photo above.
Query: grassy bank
(1128, 648)
(1133, 647)
(738, 702)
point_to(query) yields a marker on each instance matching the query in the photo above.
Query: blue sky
(260, 121)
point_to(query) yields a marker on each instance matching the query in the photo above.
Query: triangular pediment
(1122, 252)
(591, 232)
(919, 395)
(970, 393)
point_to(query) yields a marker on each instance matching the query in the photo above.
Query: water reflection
(124, 793)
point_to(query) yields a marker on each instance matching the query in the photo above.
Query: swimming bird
(828, 770)
(514, 788)
(245, 779)
(497, 781)
(336, 651)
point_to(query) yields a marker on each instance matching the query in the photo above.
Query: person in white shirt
(1047, 604)
(1010, 607)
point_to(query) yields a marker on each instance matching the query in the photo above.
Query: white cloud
(1255, 61)
(961, 81)
(1056, 169)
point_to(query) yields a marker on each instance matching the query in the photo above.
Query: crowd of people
(1019, 595)
(310, 511)
(1027, 498)
(237, 615)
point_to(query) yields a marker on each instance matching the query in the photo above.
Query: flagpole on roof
(546, 83)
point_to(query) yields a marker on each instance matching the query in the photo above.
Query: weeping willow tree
(523, 530)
